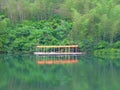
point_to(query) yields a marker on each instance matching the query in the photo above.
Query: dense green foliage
(28, 34)
(92, 24)
(107, 53)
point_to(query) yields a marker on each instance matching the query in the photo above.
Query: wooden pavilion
(57, 50)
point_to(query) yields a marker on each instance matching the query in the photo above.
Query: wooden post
(75, 49)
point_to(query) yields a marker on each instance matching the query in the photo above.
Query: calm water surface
(21, 72)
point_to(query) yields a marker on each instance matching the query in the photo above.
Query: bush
(111, 52)
(117, 44)
(102, 44)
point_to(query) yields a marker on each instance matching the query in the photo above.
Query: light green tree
(3, 32)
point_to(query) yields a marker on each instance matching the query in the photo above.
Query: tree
(3, 31)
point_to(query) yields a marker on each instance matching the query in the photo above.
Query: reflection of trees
(24, 71)
(3, 73)
(110, 58)
(96, 74)
(91, 73)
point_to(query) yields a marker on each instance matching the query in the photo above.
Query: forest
(92, 24)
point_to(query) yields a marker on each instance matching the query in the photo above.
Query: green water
(21, 72)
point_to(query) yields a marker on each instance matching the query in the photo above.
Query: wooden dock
(57, 53)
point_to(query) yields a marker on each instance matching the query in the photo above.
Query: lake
(85, 72)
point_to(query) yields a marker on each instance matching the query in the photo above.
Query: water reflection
(67, 59)
(21, 72)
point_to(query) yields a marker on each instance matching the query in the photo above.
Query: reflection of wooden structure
(57, 50)
(42, 62)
